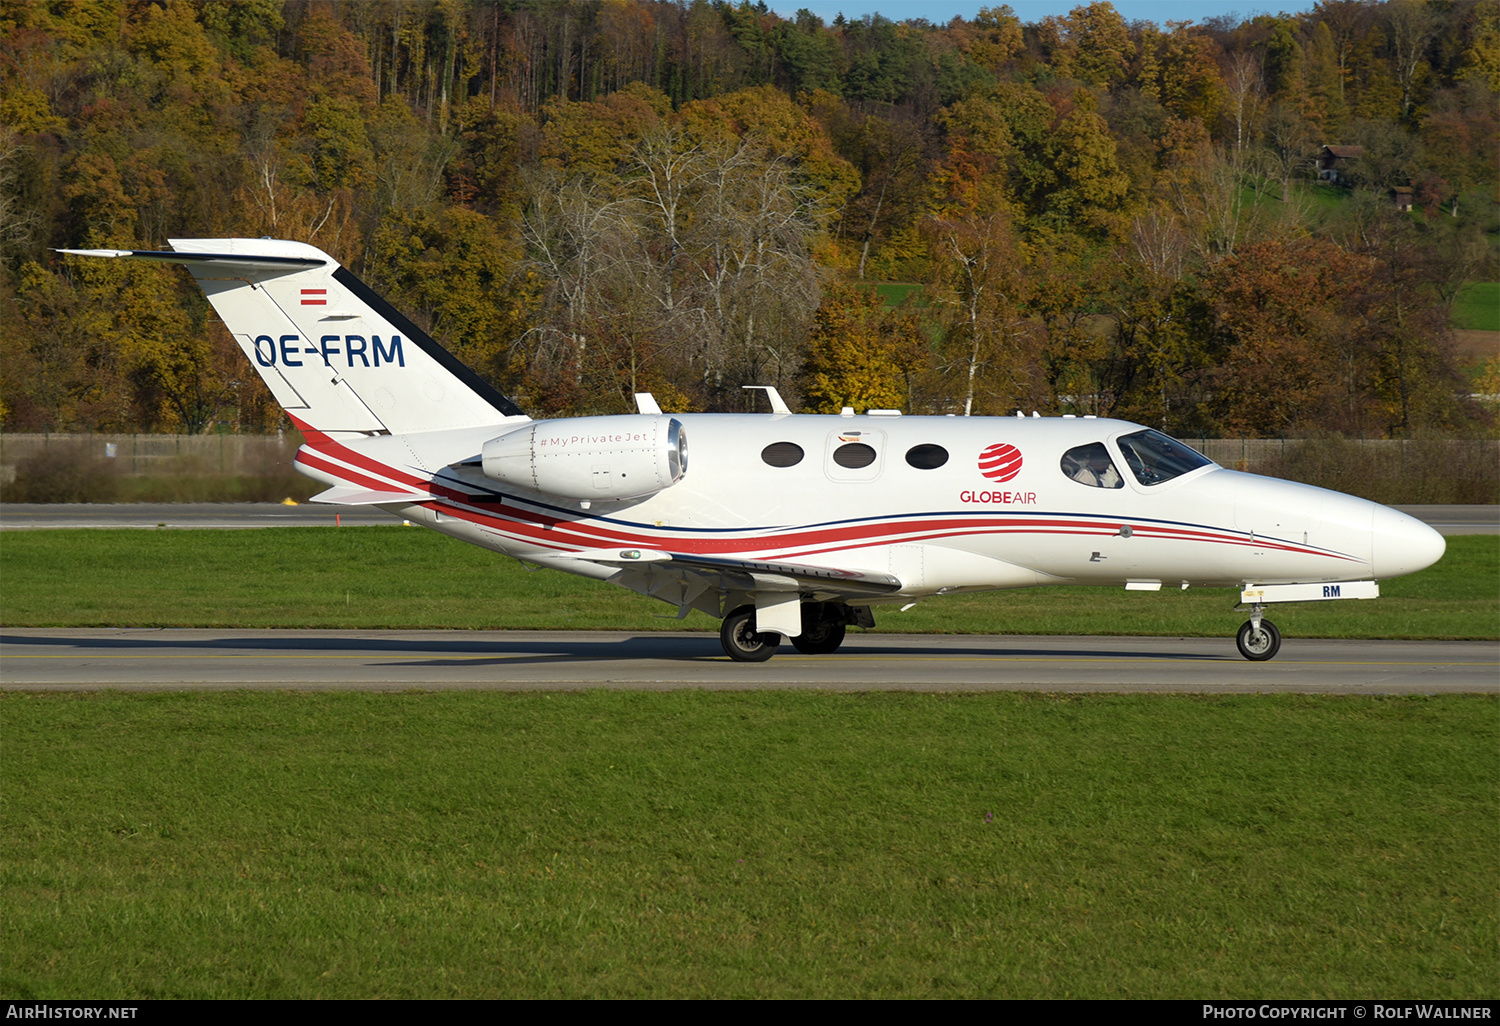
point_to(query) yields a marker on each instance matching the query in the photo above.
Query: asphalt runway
(235, 515)
(146, 659)
(16, 516)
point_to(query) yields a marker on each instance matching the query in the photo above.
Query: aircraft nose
(1401, 544)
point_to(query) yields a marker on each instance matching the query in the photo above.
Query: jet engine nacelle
(587, 458)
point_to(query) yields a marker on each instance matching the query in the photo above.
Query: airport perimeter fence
(214, 467)
(154, 454)
(56, 467)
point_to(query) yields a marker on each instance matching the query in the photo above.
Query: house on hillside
(1332, 158)
(1402, 194)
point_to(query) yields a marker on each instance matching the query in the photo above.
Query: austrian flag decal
(314, 297)
(1000, 462)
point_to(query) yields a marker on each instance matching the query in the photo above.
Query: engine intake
(587, 458)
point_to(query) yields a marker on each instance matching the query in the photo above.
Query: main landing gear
(1258, 638)
(742, 642)
(824, 625)
(823, 628)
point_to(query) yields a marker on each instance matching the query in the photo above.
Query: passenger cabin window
(854, 455)
(1090, 464)
(1155, 458)
(926, 457)
(781, 454)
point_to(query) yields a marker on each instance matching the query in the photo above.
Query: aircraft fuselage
(939, 529)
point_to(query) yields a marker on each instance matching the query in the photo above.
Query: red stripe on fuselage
(322, 443)
(786, 543)
(811, 543)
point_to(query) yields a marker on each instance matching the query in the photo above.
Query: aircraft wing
(748, 575)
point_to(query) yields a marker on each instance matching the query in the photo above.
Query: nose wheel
(1258, 639)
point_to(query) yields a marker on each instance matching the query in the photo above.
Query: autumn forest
(1233, 227)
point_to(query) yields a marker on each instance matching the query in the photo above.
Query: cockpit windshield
(1155, 458)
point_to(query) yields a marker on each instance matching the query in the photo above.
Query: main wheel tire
(742, 642)
(820, 637)
(1258, 646)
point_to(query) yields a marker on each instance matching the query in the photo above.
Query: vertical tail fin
(334, 354)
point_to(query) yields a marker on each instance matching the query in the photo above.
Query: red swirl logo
(1000, 462)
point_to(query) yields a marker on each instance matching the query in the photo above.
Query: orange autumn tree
(1287, 345)
(860, 354)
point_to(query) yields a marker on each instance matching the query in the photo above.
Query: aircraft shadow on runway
(671, 648)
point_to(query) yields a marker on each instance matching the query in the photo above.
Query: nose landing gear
(1258, 639)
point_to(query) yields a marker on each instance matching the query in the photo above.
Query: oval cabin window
(926, 457)
(781, 454)
(854, 455)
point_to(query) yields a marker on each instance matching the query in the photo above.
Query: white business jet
(783, 525)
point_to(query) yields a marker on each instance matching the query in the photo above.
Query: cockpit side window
(1155, 458)
(1090, 464)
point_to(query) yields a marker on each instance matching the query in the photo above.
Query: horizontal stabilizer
(342, 496)
(225, 261)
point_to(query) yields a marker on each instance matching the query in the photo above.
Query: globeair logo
(1000, 462)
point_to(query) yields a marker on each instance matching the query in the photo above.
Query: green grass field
(1328, 200)
(1478, 306)
(395, 577)
(768, 844)
(894, 292)
(695, 843)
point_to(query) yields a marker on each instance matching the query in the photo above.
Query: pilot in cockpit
(1091, 465)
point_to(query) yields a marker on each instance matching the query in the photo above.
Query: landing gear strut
(1258, 638)
(742, 642)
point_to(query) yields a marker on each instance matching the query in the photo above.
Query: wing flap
(750, 574)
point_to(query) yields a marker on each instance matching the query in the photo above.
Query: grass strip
(748, 844)
(407, 578)
(1478, 306)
